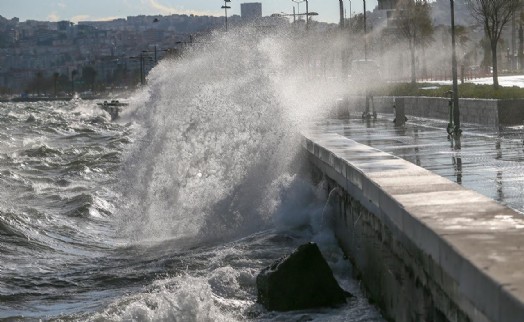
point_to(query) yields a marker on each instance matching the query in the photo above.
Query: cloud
(61, 5)
(78, 18)
(106, 18)
(53, 16)
(166, 10)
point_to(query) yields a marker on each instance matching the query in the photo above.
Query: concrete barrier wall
(471, 110)
(492, 113)
(425, 248)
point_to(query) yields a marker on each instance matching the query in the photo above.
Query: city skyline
(100, 10)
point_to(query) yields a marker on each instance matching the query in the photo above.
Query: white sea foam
(183, 298)
(216, 158)
(220, 127)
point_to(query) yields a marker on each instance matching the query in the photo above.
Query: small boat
(113, 108)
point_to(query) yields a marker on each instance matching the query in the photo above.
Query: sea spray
(220, 123)
(63, 193)
(213, 170)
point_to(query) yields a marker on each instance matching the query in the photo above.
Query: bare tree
(494, 15)
(413, 22)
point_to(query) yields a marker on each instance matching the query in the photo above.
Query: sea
(169, 212)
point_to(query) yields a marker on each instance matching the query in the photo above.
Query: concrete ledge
(426, 248)
(488, 112)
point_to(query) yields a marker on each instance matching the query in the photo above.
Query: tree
(494, 15)
(413, 22)
(356, 24)
(462, 38)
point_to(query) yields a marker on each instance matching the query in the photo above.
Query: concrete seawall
(492, 113)
(425, 248)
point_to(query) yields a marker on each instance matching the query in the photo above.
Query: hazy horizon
(72, 10)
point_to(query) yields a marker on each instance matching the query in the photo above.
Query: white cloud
(53, 16)
(106, 18)
(78, 18)
(166, 10)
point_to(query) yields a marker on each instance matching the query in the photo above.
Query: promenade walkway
(489, 161)
(425, 248)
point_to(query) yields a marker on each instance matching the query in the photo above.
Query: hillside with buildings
(58, 58)
(33, 51)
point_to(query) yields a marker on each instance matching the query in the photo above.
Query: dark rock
(299, 281)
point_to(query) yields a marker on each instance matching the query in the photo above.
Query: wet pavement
(488, 160)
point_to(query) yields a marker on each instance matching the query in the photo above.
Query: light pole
(307, 14)
(456, 111)
(298, 2)
(143, 58)
(225, 7)
(368, 96)
(349, 13)
(366, 33)
(341, 4)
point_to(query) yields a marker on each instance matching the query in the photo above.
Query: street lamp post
(298, 2)
(144, 55)
(307, 14)
(225, 7)
(456, 111)
(349, 13)
(341, 4)
(368, 95)
(366, 33)
(142, 78)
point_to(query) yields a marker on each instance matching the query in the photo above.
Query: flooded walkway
(489, 161)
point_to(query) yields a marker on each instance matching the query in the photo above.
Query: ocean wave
(17, 235)
(41, 152)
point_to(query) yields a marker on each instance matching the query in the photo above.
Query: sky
(81, 10)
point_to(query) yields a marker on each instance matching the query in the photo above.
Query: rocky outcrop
(301, 280)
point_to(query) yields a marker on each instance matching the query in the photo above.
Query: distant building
(63, 25)
(389, 8)
(387, 4)
(251, 11)
(442, 11)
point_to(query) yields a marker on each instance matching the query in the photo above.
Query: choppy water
(169, 213)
